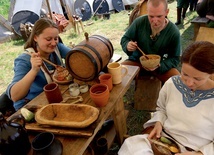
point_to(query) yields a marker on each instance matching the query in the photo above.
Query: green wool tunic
(166, 44)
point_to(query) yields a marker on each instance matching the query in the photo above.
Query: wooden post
(119, 115)
(10, 13)
(5, 23)
(71, 19)
(49, 9)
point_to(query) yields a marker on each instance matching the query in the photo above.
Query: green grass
(113, 29)
(107, 28)
(5, 4)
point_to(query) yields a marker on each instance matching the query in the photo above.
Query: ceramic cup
(45, 143)
(101, 146)
(99, 94)
(117, 71)
(84, 88)
(74, 89)
(106, 78)
(53, 93)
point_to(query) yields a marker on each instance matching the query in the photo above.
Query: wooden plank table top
(76, 145)
(205, 34)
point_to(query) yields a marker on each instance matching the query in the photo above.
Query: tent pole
(49, 9)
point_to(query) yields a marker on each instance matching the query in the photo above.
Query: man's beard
(155, 30)
(155, 33)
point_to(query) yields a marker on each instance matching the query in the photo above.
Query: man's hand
(131, 46)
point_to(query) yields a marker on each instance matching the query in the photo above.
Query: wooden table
(76, 145)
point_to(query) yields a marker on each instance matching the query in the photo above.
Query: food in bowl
(150, 61)
(160, 150)
(62, 74)
(165, 146)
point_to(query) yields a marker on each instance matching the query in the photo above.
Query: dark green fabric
(167, 44)
(183, 4)
(211, 24)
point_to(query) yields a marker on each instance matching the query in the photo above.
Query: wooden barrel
(87, 59)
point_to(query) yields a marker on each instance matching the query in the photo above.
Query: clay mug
(45, 143)
(117, 71)
(74, 89)
(53, 93)
(101, 146)
(106, 78)
(13, 136)
(99, 94)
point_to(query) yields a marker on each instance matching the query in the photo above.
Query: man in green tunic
(154, 34)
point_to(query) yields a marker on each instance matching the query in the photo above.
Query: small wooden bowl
(150, 63)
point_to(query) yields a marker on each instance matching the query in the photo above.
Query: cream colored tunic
(187, 116)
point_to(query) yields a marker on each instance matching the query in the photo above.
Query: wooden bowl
(67, 115)
(160, 150)
(150, 63)
(64, 78)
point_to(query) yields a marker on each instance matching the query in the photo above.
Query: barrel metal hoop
(99, 38)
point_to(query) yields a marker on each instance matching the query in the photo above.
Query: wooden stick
(49, 9)
(51, 63)
(142, 52)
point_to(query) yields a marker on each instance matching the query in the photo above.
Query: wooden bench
(205, 34)
(199, 22)
(147, 92)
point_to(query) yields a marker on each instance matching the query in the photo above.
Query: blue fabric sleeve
(63, 50)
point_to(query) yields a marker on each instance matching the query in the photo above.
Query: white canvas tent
(36, 5)
(130, 2)
(23, 11)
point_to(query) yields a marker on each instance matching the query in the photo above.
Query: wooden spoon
(53, 64)
(142, 53)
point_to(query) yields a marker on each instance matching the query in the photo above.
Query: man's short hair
(156, 3)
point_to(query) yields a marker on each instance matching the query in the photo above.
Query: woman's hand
(131, 46)
(27, 80)
(156, 132)
(190, 153)
(36, 61)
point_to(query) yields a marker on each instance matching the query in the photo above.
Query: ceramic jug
(13, 136)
